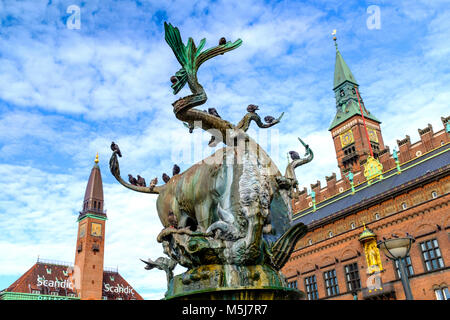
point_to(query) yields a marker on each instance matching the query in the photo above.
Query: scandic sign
(67, 284)
(54, 283)
(118, 289)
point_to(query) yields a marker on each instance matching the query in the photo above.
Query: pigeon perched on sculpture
(176, 170)
(213, 112)
(115, 147)
(269, 119)
(132, 180)
(141, 181)
(294, 155)
(153, 183)
(165, 177)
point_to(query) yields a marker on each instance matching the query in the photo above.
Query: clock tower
(351, 140)
(89, 253)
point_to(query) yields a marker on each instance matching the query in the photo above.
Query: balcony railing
(93, 210)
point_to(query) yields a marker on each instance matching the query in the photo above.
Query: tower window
(95, 204)
(342, 93)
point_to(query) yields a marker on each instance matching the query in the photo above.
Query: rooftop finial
(334, 38)
(96, 158)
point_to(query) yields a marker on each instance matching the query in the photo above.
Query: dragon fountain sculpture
(233, 209)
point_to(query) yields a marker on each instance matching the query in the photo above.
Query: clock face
(82, 230)
(372, 135)
(96, 229)
(347, 138)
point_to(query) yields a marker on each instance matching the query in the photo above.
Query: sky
(76, 75)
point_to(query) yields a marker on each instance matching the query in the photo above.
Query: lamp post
(397, 249)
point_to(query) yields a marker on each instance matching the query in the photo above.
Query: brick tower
(89, 252)
(347, 128)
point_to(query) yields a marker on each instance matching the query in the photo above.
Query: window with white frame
(432, 255)
(442, 293)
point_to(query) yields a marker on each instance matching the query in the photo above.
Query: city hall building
(86, 278)
(400, 193)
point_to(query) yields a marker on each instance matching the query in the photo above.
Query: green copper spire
(342, 72)
(345, 87)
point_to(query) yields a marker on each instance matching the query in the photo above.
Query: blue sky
(65, 94)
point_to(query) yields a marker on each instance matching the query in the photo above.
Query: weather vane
(334, 37)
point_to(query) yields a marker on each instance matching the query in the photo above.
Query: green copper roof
(347, 103)
(342, 72)
(348, 110)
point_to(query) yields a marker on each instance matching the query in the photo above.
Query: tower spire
(93, 197)
(89, 253)
(355, 131)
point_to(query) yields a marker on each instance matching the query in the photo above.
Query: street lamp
(397, 249)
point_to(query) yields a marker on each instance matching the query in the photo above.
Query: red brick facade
(419, 207)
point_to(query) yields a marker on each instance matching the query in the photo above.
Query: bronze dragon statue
(232, 208)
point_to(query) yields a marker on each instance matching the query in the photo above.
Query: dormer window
(354, 90)
(342, 93)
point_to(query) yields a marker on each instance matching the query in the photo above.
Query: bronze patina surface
(227, 218)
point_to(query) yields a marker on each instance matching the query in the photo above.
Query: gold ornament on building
(372, 169)
(369, 243)
(347, 138)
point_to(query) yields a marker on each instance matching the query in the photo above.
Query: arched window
(434, 194)
(377, 216)
(352, 226)
(442, 293)
(330, 234)
(404, 206)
